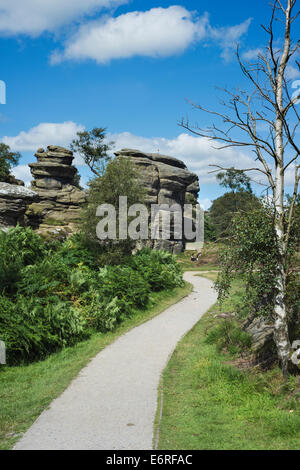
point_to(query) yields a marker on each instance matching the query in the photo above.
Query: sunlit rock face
(14, 200)
(166, 181)
(60, 200)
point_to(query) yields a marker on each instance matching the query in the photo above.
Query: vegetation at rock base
(119, 178)
(54, 295)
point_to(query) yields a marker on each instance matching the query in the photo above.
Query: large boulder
(60, 199)
(14, 200)
(167, 181)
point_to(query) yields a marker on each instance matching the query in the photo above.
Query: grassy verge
(208, 260)
(210, 404)
(25, 391)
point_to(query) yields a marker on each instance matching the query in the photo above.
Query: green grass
(208, 260)
(210, 404)
(25, 391)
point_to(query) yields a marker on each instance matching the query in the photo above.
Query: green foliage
(120, 178)
(159, 268)
(32, 329)
(234, 179)
(228, 335)
(125, 284)
(8, 159)
(77, 249)
(252, 254)
(210, 230)
(19, 247)
(92, 147)
(224, 208)
(56, 294)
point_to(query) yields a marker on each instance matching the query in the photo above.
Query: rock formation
(14, 200)
(60, 200)
(167, 181)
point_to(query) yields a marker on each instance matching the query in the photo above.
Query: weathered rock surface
(60, 200)
(167, 181)
(14, 200)
(262, 333)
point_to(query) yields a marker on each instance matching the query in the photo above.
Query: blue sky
(128, 66)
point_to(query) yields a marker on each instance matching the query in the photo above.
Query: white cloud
(158, 32)
(292, 72)
(252, 54)
(22, 172)
(205, 203)
(33, 17)
(46, 133)
(228, 37)
(196, 152)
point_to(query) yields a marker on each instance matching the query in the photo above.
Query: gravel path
(112, 402)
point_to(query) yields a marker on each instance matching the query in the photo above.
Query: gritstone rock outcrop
(166, 181)
(60, 199)
(14, 200)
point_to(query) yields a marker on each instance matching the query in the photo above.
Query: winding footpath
(112, 403)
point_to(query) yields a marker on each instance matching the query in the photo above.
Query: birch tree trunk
(281, 335)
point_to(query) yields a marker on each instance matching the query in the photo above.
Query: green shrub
(158, 268)
(32, 329)
(228, 335)
(124, 283)
(19, 247)
(49, 276)
(104, 316)
(77, 250)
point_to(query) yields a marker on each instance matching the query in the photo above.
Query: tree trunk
(281, 335)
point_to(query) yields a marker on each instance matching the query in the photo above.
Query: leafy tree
(252, 254)
(233, 179)
(224, 208)
(119, 178)
(210, 229)
(91, 146)
(269, 102)
(8, 160)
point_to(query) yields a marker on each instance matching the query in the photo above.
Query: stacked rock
(60, 199)
(166, 181)
(14, 200)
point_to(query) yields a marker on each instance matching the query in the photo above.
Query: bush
(105, 316)
(55, 294)
(77, 250)
(228, 335)
(32, 329)
(19, 247)
(158, 268)
(124, 283)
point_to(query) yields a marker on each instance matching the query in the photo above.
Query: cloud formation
(252, 54)
(158, 32)
(228, 37)
(45, 133)
(33, 17)
(196, 152)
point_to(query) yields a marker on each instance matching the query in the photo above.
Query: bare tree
(268, 105)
